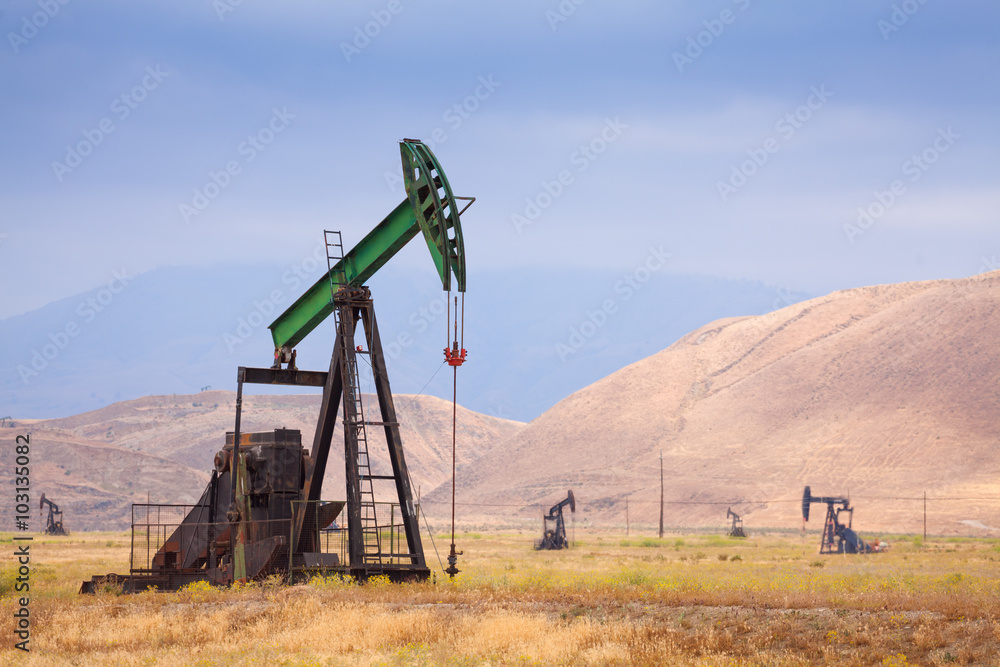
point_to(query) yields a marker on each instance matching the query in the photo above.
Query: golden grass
(608, 600)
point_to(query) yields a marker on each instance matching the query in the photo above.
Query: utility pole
(925, 517)
(661, 493)
(626, 516)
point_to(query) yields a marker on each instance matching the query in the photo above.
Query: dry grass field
(684, 600)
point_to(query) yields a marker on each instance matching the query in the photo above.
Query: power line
(727, 502)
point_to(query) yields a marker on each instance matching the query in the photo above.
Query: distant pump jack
(838, 537)
(554, 526)
(736, 529)
(54, 521)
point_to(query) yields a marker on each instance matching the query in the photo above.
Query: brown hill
(94, 465)
(881, 393)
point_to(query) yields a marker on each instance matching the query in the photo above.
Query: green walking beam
(430, 207)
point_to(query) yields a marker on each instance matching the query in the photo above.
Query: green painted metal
(358, 265)
(429, 208)
(434, 204)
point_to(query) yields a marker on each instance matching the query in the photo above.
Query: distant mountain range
(879, 394)
(96, 464)
(532, 339)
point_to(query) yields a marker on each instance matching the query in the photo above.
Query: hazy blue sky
(743, 137)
